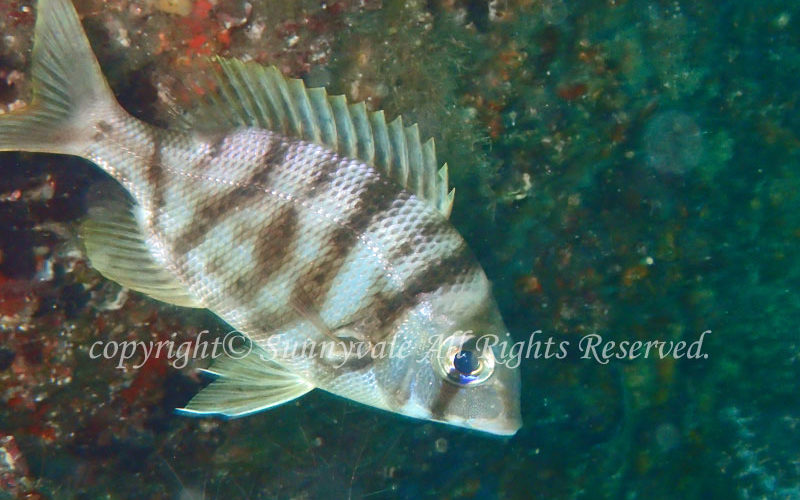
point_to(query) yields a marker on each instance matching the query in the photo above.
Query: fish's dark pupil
(466, 362)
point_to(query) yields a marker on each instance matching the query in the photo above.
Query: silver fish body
(291, 243)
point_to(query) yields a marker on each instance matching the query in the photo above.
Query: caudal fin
(68, 86)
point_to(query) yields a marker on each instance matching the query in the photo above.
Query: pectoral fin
(245, 386)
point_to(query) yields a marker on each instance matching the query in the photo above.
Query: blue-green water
(627, 169)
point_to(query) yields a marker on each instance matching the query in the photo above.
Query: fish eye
(459, 361)
(466, 362)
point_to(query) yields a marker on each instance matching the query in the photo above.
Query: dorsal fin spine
(366, 146)
(380, 133)
(310, 128)
(242, 97)
(432, 172)
(280, 83)
(416, 176)
(272, 95)
(322, 108)
(397, 139)
(344, 126)
(252, 95)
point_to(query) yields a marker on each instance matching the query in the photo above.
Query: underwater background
(626, 169)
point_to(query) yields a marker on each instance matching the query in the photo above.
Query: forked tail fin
(69, 89)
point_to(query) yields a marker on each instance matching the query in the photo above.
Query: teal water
(625, 169)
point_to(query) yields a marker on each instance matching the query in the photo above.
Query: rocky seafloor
(623, 168)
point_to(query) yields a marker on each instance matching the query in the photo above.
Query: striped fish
(311, 226)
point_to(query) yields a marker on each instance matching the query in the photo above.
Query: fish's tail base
(68, 87)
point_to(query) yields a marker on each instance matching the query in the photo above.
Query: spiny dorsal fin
(252, 95)
(116, 248)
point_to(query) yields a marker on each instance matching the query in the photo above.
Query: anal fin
(116, 248)
(244, 386)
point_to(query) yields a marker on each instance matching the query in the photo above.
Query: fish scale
(325, 221)
(297, 219)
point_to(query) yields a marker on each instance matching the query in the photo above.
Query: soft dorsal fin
(252, 95)
(116, 248)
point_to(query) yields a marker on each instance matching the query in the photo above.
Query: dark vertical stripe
(274, 244)
(444, 397)
(217, 146)
(445, 271)
(374, 199)
(387, 309)
(154, 173)
(272, 251)
(418, 237)
(215, 149)
(215, 209)
(324, 173)
(439, 273)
